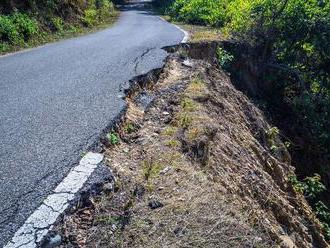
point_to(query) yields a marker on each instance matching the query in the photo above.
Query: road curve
(55, 100)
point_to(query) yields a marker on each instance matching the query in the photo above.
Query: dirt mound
(195, 167)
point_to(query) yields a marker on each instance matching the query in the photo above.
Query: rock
(154, 204)
(139, 191)
(108, 188)
(52, 241)
(287, 242)
(113, 227)
(187, 63)
(164, 171)
(126, 150)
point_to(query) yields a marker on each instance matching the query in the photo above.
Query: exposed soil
(194, 168)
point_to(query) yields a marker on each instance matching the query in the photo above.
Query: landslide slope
(194, 168)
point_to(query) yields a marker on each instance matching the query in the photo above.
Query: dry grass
(214, 182)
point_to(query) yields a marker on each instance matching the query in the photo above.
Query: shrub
(199, 11)
(8, 30)
(17, 27)
(224, 58)
(105, 9)
(113, 138)
(26, 26)
(90, 17)
(58, 23)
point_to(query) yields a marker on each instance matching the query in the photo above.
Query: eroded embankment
(194, 168)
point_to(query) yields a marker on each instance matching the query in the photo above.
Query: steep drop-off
(194, 168)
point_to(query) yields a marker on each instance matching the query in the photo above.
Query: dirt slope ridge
(194, 168)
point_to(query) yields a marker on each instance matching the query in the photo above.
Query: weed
(90, 17)
(8, 30)
(151, 169)
(188, 104)
(185, 120)
(314, 186)
(170, 131)
(311, 187)
(173, 143)
(109, 220)
(206, 35)
(113, 138)
(298, 186)
(224, 58)
(272, 134)
(129, 128)
(150, 186)
(58, 24)
(193, 133)
(197, 85)
(173, 159)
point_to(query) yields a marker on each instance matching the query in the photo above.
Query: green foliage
(291, 37)
(199, 11)
(8, 30)
(19, 23)
(113, 138)
(224, 58)
(26, 26)
(311, 187)
(130, 128)
(188, 104)
(58, 23)
(298, 186)
(90, 17)
(17, 27)
(272, 135)
(105, 9)
(97, 11)
(323, 213)
(151, 169)
(314, 186)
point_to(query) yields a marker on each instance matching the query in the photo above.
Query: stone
(53, 241)
(154, 204)
(164, 171)
(107, 188)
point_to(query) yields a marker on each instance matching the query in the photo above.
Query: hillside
(26, 24)
(194, 166)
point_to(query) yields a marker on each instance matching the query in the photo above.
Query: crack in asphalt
(138, 59)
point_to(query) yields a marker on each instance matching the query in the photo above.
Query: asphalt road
(55, 101)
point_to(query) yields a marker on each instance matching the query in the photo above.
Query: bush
(224, 58)
(90, 17)
(105, 9)
(8, 30)
(58, 23)
(26, 26)
(16, 28)
(98, 11)
(293, 37)
(199, 11)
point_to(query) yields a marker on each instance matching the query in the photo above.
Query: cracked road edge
(41, 220)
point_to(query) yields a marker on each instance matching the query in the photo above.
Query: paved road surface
(55, 101)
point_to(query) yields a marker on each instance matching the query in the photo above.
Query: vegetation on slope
(194, 168)
(290, 40)
(26, 23)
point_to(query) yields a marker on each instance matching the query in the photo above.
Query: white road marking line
(186, 34)
(40, 222)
